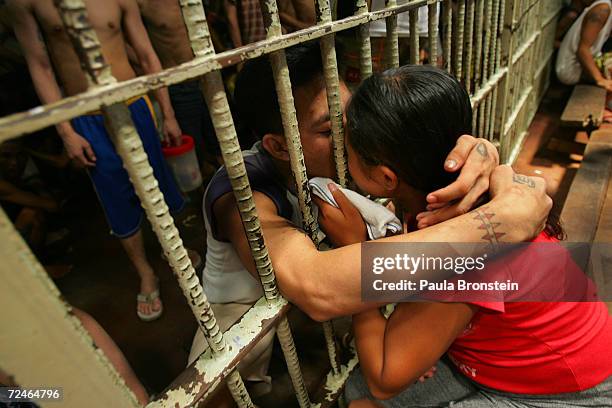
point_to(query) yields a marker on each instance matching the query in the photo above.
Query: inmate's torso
(167, 31)
(106, 18)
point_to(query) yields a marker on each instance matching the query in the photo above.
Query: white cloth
(378, 28)
(379, 220)
(568, 67)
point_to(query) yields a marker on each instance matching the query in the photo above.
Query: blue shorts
(115, 191)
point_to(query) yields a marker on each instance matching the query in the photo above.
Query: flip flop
(148, 299)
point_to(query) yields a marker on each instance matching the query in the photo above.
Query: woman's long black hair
(409, 119)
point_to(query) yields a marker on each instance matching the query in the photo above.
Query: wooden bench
(585, 107)
(587, 212)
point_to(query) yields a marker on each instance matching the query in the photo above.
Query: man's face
(315, 127)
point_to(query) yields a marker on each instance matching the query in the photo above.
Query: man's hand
(605, 84)
(343, 225)
(524, 196)
(78, 149)
(172, 132)
(477, 158)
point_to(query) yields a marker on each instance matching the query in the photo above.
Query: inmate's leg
(113, 353)
(134, 247)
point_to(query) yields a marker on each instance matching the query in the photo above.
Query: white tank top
(225, 279)
(568, 67)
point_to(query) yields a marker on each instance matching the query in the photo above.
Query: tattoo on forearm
(485, 216)
(482, 149)
(520, 179)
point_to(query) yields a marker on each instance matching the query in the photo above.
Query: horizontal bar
(524, 47)
(42, 116)
(202, 377)
(488, 87)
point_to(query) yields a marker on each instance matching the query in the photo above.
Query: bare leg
(134, 246)
(113, 353)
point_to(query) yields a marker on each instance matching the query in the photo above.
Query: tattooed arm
(593, 22)
(327, 284)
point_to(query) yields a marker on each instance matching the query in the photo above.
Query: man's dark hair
(255, 94)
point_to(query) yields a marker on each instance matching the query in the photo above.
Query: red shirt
(536, 347)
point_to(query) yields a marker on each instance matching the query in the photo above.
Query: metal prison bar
(508, 70)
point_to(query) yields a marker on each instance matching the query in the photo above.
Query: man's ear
(276, 145)
(385, 177)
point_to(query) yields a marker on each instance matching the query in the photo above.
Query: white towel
(378, 219)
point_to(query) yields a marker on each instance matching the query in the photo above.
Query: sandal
(148, 299)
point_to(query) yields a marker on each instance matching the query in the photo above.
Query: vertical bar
(332, 86)
(391, 40)
(298, 169)
(485, 67)
(498, 6)
(414, 36)
(53, 348)
(448, 34)
(459, 39)
(468, 45)
(365, 48)
(478, 52)
(506, 45)
(432, 32)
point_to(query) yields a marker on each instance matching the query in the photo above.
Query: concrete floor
(104, 284)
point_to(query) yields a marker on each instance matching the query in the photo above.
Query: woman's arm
(394, 353)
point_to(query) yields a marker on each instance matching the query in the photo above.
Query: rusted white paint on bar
(448, 34)
(432, 32)
(414, 36)
(41, 342)
(459, 29)
(211, 367)
(391, 41)
(469, 35)
(365, 48)
(332, 87)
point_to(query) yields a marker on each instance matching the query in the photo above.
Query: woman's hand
(477, 158)
(343, 225)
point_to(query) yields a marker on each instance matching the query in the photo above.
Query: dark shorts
(115, 191)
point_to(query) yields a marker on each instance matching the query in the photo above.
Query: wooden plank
(601, 255)
(585, 200)
(585, 106)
